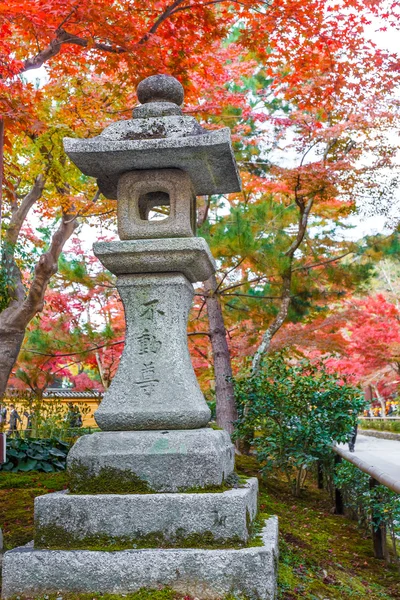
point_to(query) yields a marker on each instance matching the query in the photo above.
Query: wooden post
(339, 508)
(320, 475)
(379, 533)
(3, 457)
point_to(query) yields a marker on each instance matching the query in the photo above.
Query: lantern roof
(159, 136)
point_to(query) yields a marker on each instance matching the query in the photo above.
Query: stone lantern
(156, 476)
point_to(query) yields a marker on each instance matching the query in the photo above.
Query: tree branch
(303, 222)
(63, 37)
(322, 262)
(19, 215)
(46, 267)
(15, 287)
(275, 325)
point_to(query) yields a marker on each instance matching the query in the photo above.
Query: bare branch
(19, 215)
(207, 333)
(15, 287)
(46, 267)
(251, 296)
(322, 262)
(275, 325)
(303, 222)
(63, 37)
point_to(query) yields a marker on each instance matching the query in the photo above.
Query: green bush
(293, 414)
(381, 424)
(46, 455)
(373, 507)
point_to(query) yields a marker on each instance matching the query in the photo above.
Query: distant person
(13, 422)
(70, 416)
(29, 422)
(353, 434)
(74, 417)
(78, 417)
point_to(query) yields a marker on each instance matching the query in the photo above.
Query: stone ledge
(190, 256)
(64, 520)
(380, 433)
(204, 574)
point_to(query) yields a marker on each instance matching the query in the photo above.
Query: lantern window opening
(154, 206)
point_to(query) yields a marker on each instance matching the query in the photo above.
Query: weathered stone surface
(207, 158)
(155, 386)
(169, 519)
(141, 191)
(156, 109)
(167, 461)
(203, 574)
(160, 88)
(190, 256)
(150, 128)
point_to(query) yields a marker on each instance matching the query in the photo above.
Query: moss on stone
(165, 593)
(208, 489)
(110, 480)
(107, 481)
(54, 537)
(213, 425)
(234, 480)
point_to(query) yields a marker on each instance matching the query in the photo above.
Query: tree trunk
(101, 370)
(275, 325)
(225, 397)
(382, 401)
(16, 317)
(11, 341)
(304, 212)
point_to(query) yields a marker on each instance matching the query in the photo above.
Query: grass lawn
(322, 556)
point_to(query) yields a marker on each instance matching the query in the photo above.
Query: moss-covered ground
(17, 493)
(322, 556)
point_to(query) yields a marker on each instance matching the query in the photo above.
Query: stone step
(64, 520)
(205, 574)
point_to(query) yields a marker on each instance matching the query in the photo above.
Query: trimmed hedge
(45, 455)
(381, 424)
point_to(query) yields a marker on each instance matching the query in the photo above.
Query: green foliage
(46, 455)
(381, 425)
(4, 288)
(293, 414)
(372, 506)
(50, 417)
(321, 555)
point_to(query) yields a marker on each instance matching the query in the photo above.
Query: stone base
(203, 574)
(112, 521)
(150, 461)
